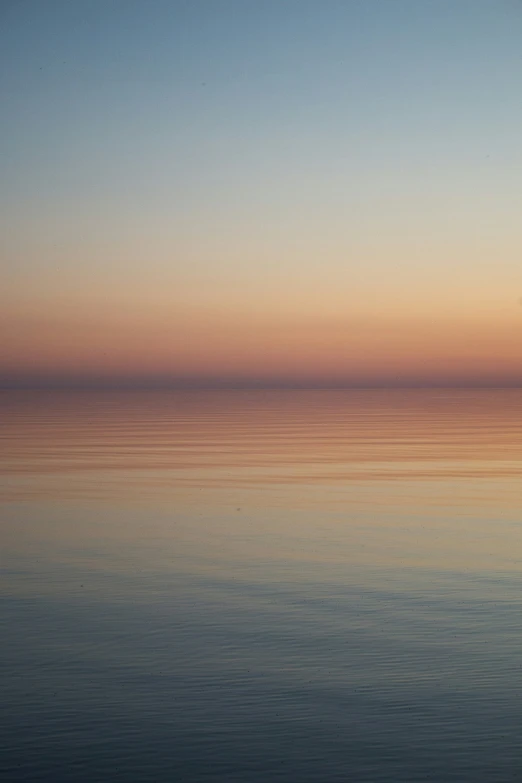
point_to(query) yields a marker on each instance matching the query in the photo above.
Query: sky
(266, 192)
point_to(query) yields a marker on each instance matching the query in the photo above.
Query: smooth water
(292, 586)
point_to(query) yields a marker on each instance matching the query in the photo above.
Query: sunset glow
(187, 209)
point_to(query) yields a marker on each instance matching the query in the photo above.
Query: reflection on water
(253, 586)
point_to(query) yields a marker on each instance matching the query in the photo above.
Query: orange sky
(271, 346)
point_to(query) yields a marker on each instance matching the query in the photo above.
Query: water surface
(298, 586)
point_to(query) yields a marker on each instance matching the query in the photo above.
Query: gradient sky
(269, 191)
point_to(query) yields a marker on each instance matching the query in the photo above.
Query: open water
(261, 586)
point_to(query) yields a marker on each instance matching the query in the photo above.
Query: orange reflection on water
(413, 478)
(292, 449)
(265, 435)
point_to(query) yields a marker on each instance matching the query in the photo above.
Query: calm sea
(288, 586)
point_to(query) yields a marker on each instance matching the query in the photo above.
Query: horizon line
(134, 384)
